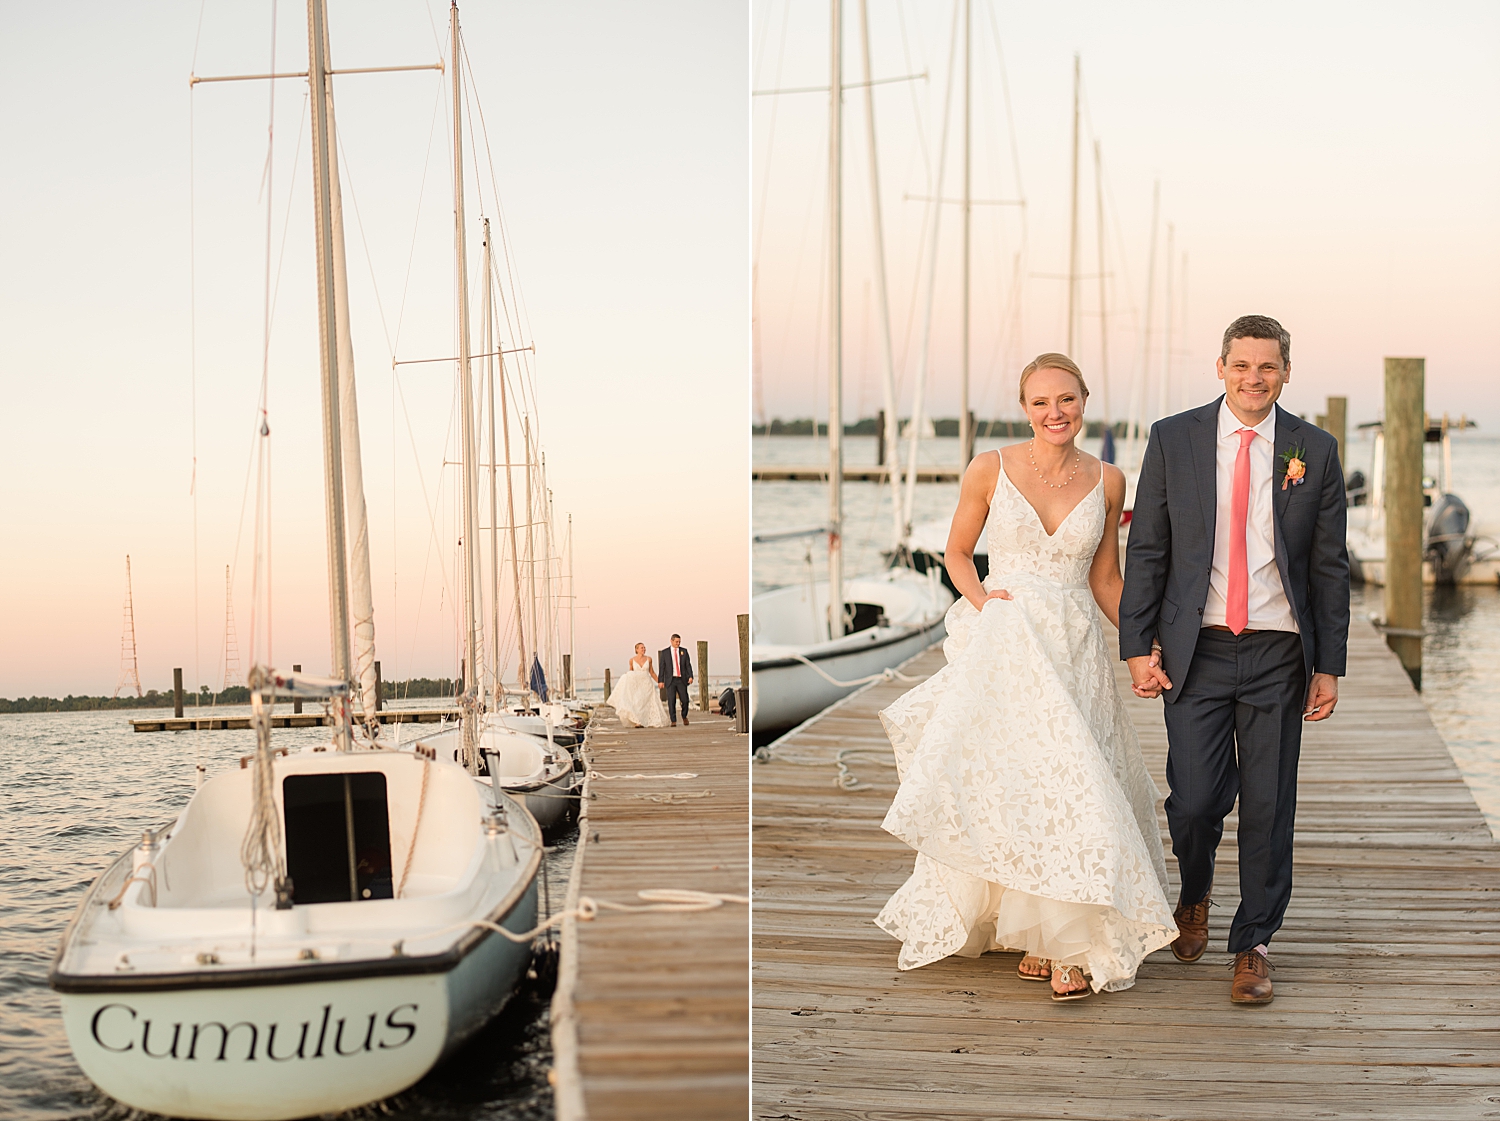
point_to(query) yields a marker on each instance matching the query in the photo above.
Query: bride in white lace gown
(1022, 787)
(635, 699)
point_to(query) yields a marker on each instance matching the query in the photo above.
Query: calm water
(76, 789)
(1461, 654)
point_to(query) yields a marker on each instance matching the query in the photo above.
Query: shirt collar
(1229, 424)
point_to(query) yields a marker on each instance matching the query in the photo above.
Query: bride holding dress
(1022, 788)
(635, 699)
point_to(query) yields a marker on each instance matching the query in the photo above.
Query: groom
(675, 671)
(1236, 610)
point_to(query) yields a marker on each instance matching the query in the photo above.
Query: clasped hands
(1147, 681)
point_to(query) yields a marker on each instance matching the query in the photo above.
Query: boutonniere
(1296, 467)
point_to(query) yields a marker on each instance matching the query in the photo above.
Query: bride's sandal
(1042, 965)
(1064, 974)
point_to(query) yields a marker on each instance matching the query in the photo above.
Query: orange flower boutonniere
(1296, 467)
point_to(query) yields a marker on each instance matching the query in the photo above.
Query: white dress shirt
(1269, 609)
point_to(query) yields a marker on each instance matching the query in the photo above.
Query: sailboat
(316, 929)
(533, 768)
(816, 642)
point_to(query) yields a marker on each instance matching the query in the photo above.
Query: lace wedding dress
(635, 699)
(1022, 787)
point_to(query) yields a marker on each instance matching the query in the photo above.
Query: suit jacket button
(1200, 611)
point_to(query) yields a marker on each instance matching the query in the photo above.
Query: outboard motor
(1355, 488)
(1448, 542)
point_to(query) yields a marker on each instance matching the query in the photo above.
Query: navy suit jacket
(664, 664)
(1170, 552)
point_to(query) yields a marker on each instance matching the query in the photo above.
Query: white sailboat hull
(180, 998)
(276, 1051)
(785, 690)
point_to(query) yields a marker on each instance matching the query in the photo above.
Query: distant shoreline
(413, 689)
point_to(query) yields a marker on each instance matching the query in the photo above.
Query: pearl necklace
(1031, 454)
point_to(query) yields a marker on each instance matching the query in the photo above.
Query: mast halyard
(536, 641)
(966, 437)
(361, 585)
(889, 436)
(835, 329)
(466, 388)
(1073, 226)
(1103, 312)
(333, 468)
(490, 346)
(510, 518)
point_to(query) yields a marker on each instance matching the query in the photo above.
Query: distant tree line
(204, 698)
(942, 426)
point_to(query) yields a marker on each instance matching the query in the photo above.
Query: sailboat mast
(465, 375)
(1103, 308)
(1165, 396)
(572, 599)
(333, 466)
(892, 452)
(1073, 226)
(1138, 387)
(490, 346)
(536, 641)
(965, 437)
(835, 328)
(357, 524)
(510, 517)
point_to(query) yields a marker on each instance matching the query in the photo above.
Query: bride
(635, 699)
(1022, 786)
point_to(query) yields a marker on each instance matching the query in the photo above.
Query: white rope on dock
(887, 674)
(592, 774)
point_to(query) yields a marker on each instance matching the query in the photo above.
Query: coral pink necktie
(1237, 607)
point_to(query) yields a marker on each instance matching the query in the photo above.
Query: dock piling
(1405, 429)
(297, 703)
(177, 692)
(702, 675)
(1338, 424)
(606, 685)
(379, 689)
(742, 694)
(567, 674)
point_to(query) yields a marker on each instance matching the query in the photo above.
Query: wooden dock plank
(1387, 969)
(652, 1015)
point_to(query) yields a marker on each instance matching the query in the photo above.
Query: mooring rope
(416, 828)
(886, 674)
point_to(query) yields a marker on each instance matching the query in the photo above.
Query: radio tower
(231, 643)
(129, 668)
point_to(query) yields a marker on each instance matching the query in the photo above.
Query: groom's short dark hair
(677, 636)
(1258, 327)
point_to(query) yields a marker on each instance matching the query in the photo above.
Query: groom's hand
(1322, 695)
(1146, 677)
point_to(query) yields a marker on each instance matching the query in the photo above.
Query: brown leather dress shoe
(1192, 930)
(1252, 978)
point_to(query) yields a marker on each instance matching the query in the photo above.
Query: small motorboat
(1452, 552)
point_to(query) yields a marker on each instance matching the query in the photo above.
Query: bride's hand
(998, 593)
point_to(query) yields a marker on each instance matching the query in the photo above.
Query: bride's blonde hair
(1052, 361)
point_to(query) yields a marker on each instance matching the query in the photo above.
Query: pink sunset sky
(1334, 165)
(620, 149)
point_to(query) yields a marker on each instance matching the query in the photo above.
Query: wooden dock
(651, 1016)
(949, 473)
(1387, 968)
(222, 720)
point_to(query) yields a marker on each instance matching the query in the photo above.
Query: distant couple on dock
(1023, 788)
(636, 699)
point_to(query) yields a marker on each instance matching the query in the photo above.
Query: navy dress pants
(677, 687)
(1235, 731)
